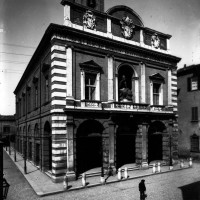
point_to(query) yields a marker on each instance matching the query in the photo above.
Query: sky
(23, 23)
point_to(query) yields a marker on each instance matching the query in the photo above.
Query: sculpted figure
(125, 94)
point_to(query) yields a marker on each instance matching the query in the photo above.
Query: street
(178, 185)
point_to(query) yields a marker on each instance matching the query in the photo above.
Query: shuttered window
(194, 143)
(194, 113)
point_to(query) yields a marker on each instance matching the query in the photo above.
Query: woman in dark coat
(142, 189)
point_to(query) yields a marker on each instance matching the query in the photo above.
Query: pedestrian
(142, 189)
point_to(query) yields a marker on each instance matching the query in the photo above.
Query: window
(6, 129)
(29, 99)
(90, 87)
(194, 113)
(90, 80)
(46, 89)
(193, 83)
(156, 89)
(194, 139)
(36, 96)
(156, 93)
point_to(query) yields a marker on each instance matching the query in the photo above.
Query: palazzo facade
(99, 90)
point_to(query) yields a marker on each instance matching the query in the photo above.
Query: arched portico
(47, 147)
(155, 141)
(89, 146)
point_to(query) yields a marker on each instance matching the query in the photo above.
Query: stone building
(99, 90)
(188, 110)
(7, 128)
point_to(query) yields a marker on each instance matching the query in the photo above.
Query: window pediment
(157, 77)
(91, 66)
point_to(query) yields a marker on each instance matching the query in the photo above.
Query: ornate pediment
(157, 77)
(90, 66)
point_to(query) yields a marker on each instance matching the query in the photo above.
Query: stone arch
(47, 147)
(131, 78)
(155, 140)
(89, 147)
(37, 146)
(29, 142)
(126, 142)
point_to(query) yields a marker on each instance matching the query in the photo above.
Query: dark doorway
(125, 144)
(30, 151)
(89, 146)
(37, 156)
(155, 147)
(47, 147)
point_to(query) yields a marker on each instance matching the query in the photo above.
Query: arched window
(36, 131)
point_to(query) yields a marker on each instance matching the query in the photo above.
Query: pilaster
(110, 79)
(70, 148)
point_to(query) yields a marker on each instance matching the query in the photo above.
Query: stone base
(71, 176)
(144, 165)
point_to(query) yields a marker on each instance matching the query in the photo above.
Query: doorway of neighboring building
(89, 146)
(155, 140)
(125, 144)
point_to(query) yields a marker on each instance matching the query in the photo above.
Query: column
(69, 75)
(144, 146)
(136, 85)
(110, 79)
(98, 87)
(143, 83)
(116, 87)
(82, 85)
(112, 143)
(109, 30)
(70, 148)
(67, 17)
(168, 45)
(169, 87)
(141, 38)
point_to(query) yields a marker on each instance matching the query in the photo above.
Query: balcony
(121, 106)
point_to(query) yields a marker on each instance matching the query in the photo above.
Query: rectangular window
(194, 83)
(46, 89)
(194, 143)
(90, 86)
(194, 113)
(6, 129)
(36, 96)
(29, 100)
(156, 93)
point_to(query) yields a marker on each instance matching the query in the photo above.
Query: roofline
(56, 28)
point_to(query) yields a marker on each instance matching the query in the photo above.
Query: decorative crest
(155, 41)
(89, 20)
(127, 27)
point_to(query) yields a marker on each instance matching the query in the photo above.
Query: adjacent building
(7, 128)
(99, 90)
(188, 110)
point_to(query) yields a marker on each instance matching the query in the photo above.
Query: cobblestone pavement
(177, 185)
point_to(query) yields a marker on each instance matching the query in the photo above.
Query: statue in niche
(125, 94)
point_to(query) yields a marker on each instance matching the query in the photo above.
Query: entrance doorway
(125, 144)
(155, 147)
(89, 146)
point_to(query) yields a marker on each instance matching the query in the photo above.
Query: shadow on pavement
(191, 191)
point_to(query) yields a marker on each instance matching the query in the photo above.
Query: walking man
(142, 189)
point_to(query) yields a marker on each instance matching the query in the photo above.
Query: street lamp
(6, 186)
